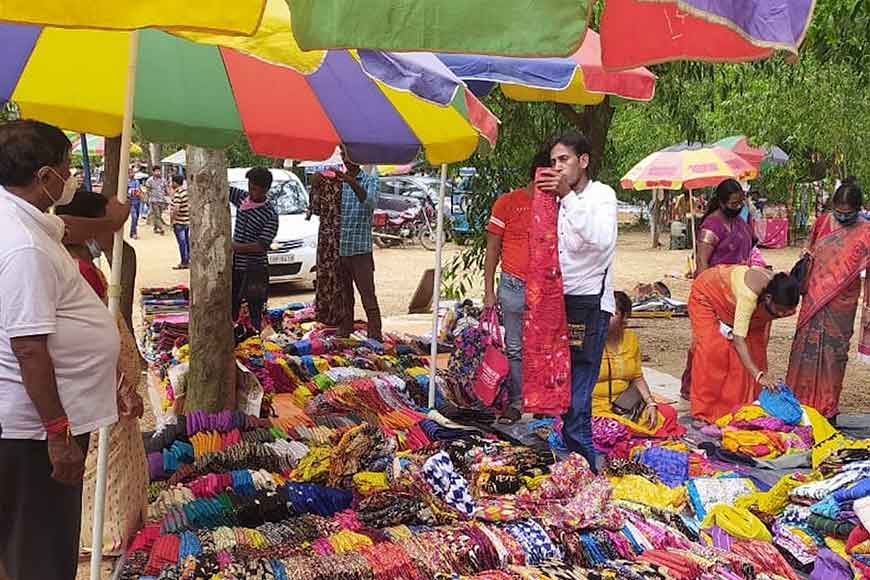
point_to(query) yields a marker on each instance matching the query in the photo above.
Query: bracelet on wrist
(758, 376)
(58, 426)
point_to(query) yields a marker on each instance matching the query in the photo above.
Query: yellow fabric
(774, 500)
(574, 94)
(747, 300)
(740, 523)
(823, 450)
(638, 489)
(745, 413)
(822, 428)
(740, 441)
(273, 41)
(349, 541)
(625, 366)
(94, 107)
(446, 134)
(369, 482)
(225, 16)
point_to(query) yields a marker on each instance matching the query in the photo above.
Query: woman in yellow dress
(620, 371)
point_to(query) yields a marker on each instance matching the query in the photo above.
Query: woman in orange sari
(840, 247)
(731, 308)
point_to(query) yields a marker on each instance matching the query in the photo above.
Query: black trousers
(40, 518)
(251, 286)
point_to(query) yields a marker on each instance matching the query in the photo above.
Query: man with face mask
(587, 230)
(58, 354)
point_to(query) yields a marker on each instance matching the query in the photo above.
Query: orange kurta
(720, 382)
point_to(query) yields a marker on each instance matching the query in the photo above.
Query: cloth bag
(494, 367)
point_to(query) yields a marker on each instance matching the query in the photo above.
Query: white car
(293, 255)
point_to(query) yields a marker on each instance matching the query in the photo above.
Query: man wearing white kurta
(587, 245)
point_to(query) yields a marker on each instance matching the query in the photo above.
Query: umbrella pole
(436, 289)
(114, 303)
(86, 162)
(692, 225)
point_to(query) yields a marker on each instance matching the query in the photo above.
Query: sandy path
(664, 342)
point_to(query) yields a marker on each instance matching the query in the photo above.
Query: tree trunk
(594, 122)
(654, 222)
(155, 154)
(212, 374)
(128, 265)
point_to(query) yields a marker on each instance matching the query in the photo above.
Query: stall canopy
(579, 79)
(219, 94)
(634, 32)
(237, 17)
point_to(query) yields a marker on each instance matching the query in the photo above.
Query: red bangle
(57, 426)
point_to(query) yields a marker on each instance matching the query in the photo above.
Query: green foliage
(524, 128)
(240, 155)
(817, 109)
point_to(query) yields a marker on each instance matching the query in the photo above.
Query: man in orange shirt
(507, 240)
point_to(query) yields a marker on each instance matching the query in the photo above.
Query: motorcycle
(394, 228)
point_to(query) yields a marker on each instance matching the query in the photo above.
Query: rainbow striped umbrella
(688, 168)
(211, 95)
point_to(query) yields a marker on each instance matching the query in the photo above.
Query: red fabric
(511, 219)
(827, 316)
(637, 84)
(720, 383)
(667, 34)
(93, 276)
(772, 232)
(261, 111)
(546, 359)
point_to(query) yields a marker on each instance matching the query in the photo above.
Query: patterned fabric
(827, 317)
(671, 466)
(546, 358)
(705, 492)
(326, 204)
(535, 542)
(447, 484)
(356, 216)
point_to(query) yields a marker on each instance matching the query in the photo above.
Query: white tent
(177, 158)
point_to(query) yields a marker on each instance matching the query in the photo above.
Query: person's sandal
(510, 416)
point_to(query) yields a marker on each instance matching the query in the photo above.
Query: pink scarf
(546, 358)
(249, 203)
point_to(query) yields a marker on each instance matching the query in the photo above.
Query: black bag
(629, 403)
(801, 272)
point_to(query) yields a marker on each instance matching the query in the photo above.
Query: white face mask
(69, 189)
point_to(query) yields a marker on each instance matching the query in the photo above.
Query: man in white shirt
(587, 245)
(58, 357)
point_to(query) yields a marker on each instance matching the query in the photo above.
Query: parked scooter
(394, 228)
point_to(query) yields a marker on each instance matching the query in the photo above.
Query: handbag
(801, 271)
(629, 403)
(494, 367)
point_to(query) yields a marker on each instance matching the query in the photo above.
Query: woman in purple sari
(724, 238)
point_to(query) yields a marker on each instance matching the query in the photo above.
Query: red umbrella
(740, 146)
(667, 34)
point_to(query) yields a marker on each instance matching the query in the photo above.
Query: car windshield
(287, 197)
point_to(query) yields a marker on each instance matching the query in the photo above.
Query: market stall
(347, 474)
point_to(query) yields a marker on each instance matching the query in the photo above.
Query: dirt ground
(664, 342)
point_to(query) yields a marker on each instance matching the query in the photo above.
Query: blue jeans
(182, 236)
(135, 211)
(512, 300)
(587, 332)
